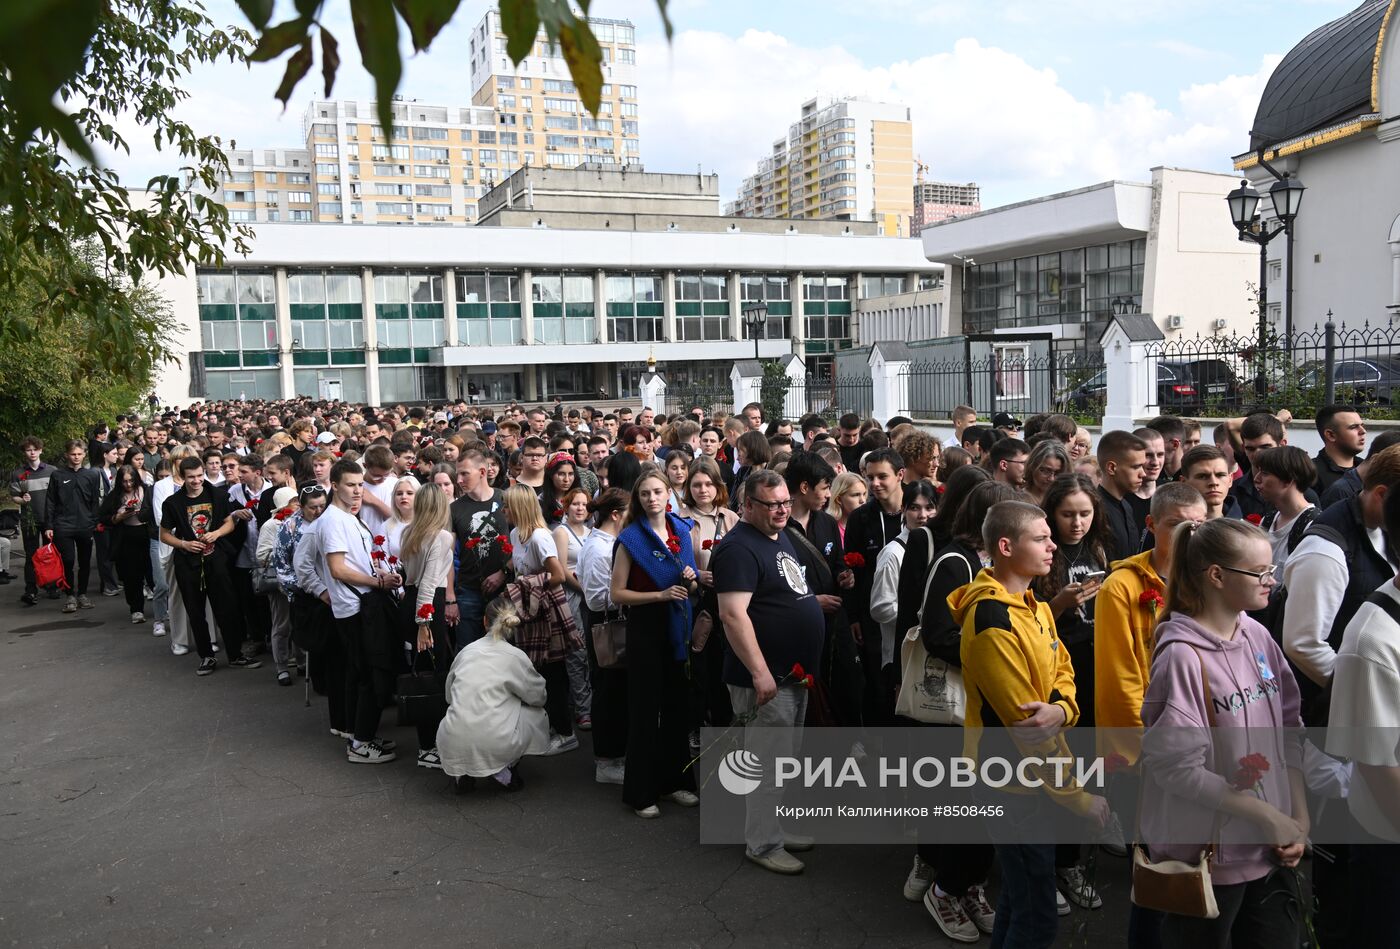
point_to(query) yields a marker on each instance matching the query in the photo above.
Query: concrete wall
(1197, 267)
(662, 221)
(903, 317)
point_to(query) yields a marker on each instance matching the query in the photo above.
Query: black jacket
(72, 499)
(1122, 522)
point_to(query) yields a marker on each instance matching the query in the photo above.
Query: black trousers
(209, 585)
(131, 556)
(33, 540)
(556, 697)
(325, 663)
(1261, 914)
(106, 567)
(364, 682)
(256, 611)
(956, 867)
(658, 745)
(76, 549)
(609, 708)
(441, 651)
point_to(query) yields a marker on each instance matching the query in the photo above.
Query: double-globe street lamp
(755, 316)
(1286, 195)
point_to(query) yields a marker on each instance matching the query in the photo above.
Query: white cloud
(980, 113)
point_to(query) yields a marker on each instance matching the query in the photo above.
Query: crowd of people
(642, 576)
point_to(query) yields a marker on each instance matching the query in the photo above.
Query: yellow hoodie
(1011, 655)
(1123, 639)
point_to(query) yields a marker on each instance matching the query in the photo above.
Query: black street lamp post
(755, 316)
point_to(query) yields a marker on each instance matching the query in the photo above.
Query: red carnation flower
(506, 547)
(283, 514)
(1152, 599)
(1255, 762)
(23, 476)
(393, 561)
(673, 545)
(1255, 519)
(378, 539)
(668, 507)
(706, 544)
(854, 559)
(251, 503)
(376, 555)
(558, 513)
(808, 682)
(425, 612)
(472, 542)
(797, 670)
(101, 529)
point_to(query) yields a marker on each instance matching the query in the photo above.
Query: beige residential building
(847, 159)
(538, 100)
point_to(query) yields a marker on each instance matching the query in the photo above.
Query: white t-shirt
(1364, 717)
(160, 493)
(528, 556)
(1278, 539)
(384, 491)
(343, 533)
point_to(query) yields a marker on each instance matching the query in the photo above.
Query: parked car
(1183, 387)
(1365, 380)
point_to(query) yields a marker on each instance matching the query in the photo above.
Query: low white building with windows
(388, 314)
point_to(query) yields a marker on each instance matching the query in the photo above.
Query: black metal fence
(1214, 376)
(1020, 375)
(681, 399)
(828, 396)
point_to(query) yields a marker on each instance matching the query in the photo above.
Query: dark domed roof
(1323, 80)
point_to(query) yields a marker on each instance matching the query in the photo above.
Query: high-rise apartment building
(442, 158)
(936, 201)
(538, 100)
(848, 159)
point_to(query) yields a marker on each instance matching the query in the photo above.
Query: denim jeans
(472, 607)
(1026, 917)
(776, 731)
(160, 588)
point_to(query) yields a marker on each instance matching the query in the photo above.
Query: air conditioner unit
(340, 217)
(1219, 323)
(439, 217)
(354, 217)
(1174, 322)
(444, 161)
(355, 176)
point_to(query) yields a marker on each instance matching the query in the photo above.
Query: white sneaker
(683, 798)
(649, 812)
(71, 606)
(948, 913)
(1061, 904)
(609, 771)
(978, 909)
(138, 617)
(919, 880)
(158, 628)
(1079, 890)
(1111, 838)
(558, 744)
(179, 650)
(428, 758)
(368, 753)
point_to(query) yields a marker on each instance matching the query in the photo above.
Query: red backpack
(48, 567)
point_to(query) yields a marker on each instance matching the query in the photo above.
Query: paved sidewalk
(141, 806)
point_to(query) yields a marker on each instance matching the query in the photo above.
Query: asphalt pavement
(141, 806)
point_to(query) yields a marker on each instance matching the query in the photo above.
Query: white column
(600, 306)
(371, 336)
(286, 381)
(736, 311)
(798, 323)
(1394, 275)
(449, 306)
(527, 309)
(668, 306)
(853, 321)
(1132, 380)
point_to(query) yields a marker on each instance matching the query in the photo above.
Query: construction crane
(920, 169)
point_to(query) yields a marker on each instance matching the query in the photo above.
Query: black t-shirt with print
(483, 525)
(786, 617)
(190, 518)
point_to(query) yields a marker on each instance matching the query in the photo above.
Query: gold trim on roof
(1376, 61)
(1316, 139)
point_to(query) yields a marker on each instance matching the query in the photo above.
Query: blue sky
(1025, 98)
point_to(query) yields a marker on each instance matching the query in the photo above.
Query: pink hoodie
(1256, 704)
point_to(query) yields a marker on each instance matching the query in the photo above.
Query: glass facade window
(488, 308)
(408, 310)
(635, 307)
(775, 291)
(327, 320)
(826, 308)
(881, 286)
(702, 307)
(237, 319)
(1072, 288)
(563, 307)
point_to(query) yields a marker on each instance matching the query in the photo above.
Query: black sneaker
(206, 666)
(29, 599)
(243, 662)
(54, 594)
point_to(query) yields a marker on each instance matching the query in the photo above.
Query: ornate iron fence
(828, 396)
(1235, 375)
(1020, 375)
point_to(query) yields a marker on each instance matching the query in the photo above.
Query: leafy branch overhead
(376, 25)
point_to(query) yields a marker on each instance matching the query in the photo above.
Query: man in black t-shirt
(772, 622)
(478, 526)
(192, 521)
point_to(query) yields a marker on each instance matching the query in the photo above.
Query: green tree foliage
(773, 389)
(53, 382)
(71, 72)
